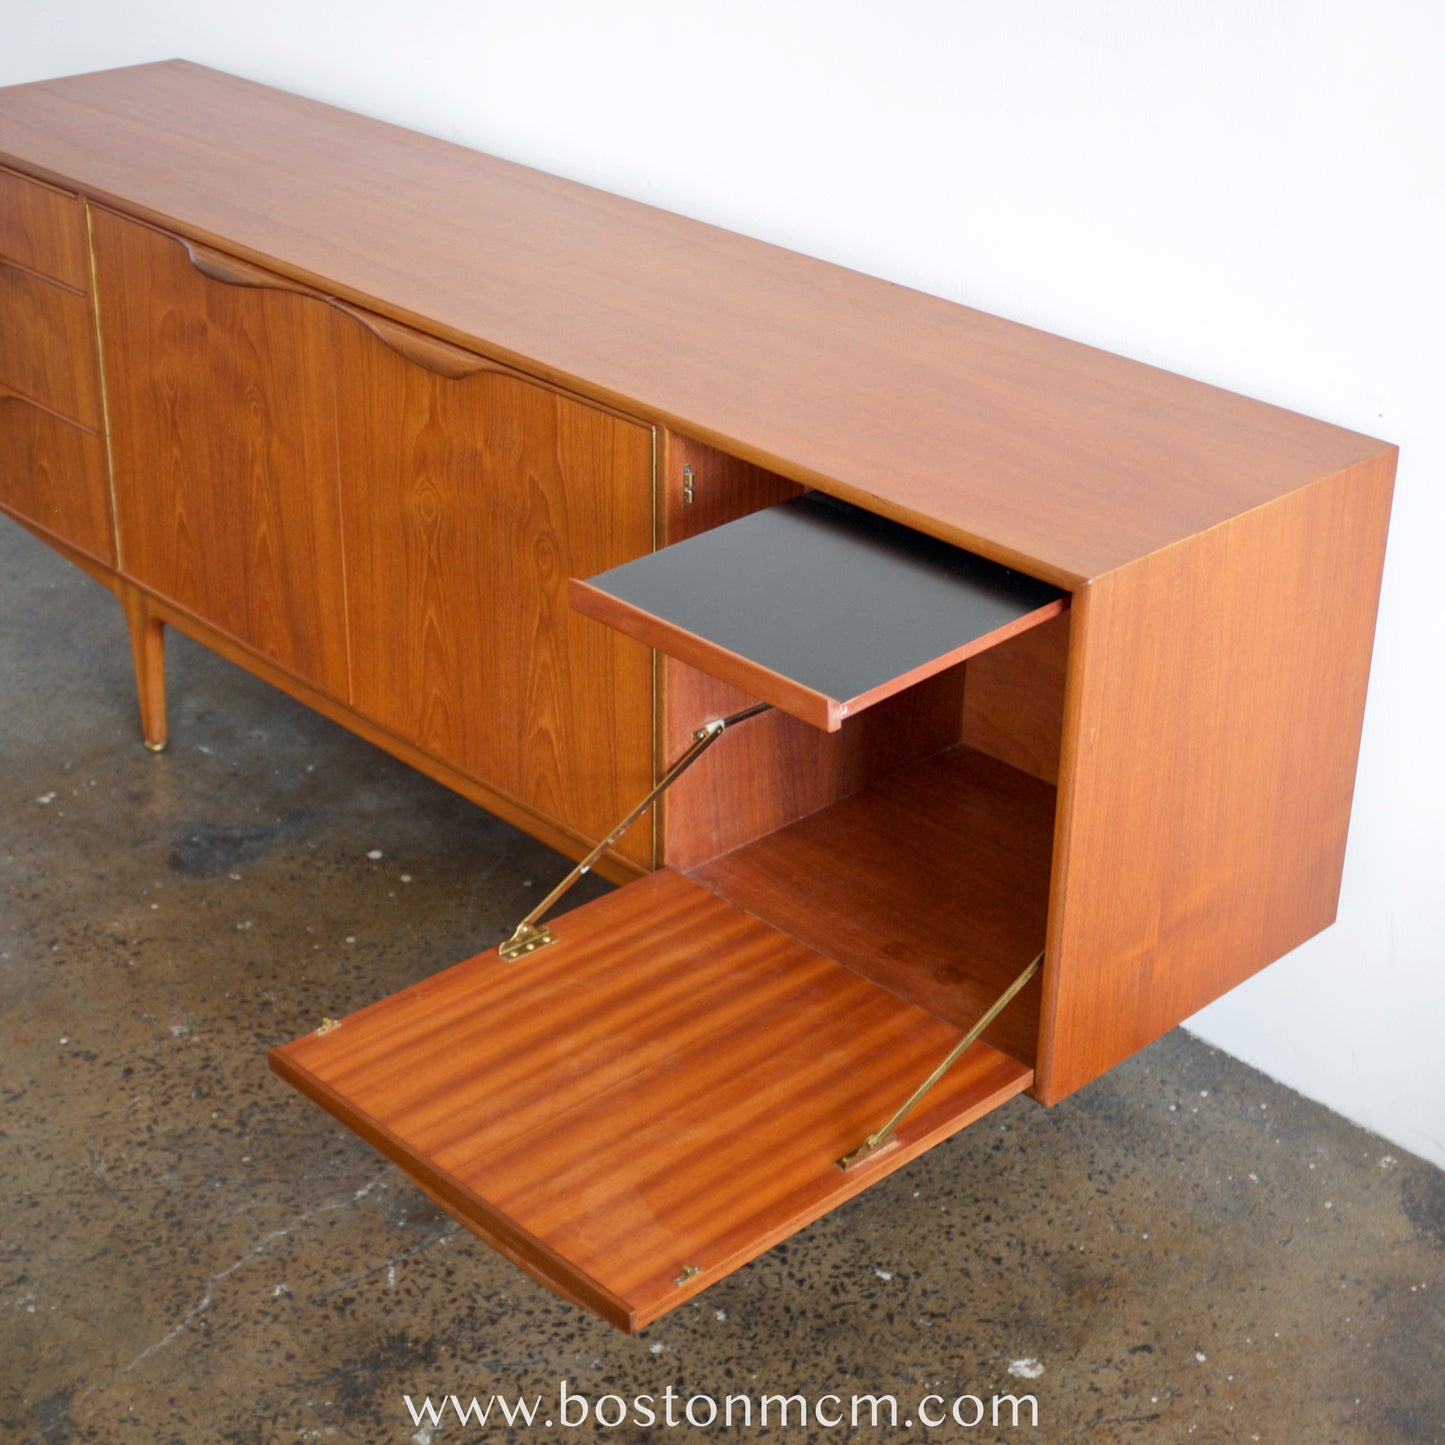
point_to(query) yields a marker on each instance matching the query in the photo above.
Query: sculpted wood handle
(422, 350)
(8, 393)
(230, 271)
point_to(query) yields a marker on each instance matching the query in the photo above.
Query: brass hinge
(875, 1141)
(530, 934)
(687, 481)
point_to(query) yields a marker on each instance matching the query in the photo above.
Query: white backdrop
(1251, 193)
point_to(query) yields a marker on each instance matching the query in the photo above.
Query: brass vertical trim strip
(99, 362)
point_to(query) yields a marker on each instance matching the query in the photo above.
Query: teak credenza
(1065, 656)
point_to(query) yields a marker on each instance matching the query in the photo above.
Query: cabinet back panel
(934, 882)
(1013, 701)
(774, 769)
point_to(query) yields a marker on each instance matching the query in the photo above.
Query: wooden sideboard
(411, 432)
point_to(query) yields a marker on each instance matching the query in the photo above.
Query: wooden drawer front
(43, 229)
(52, 473)
(47, 346)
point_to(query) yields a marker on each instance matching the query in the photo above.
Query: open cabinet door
(649, 1103)
(671, 1082)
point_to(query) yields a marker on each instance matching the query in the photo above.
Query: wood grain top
(1033, 450)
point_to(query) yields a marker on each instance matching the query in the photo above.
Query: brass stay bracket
(875, 1141)
(531, 934)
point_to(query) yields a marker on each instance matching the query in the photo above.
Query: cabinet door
(223, 429)
(632, 1114)
(470, 495)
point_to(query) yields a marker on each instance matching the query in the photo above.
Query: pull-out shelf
(818, 607)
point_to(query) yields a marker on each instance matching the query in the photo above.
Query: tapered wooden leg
(147, 647)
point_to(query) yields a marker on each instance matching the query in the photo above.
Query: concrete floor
(189, 1251)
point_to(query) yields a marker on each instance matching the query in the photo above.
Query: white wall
(1249, 191)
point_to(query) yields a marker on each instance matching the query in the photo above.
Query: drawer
(53, 473)
(43, 229)
(47, 345)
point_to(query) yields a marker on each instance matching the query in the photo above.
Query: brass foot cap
(159, 747)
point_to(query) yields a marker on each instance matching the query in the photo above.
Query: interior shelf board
(816, 606)
(933, 882)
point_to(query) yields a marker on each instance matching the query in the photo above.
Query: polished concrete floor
(189, 1251)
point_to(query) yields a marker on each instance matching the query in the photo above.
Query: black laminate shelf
(817, 606)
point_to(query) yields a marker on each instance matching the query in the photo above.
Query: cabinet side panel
(1213, 717)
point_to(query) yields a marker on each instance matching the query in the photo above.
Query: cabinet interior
(915, 846)
(671, 1084)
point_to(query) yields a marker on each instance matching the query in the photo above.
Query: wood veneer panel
(511, 810)
(723, 488)
(44, 229)
(53, 473)
(1216, 694)
(817, 607)
(667, 1086)
(47, 346)
(468, 502)
(1013, 702)
(1027, 448)
(224, 448)
(934, 883)
(774, 769)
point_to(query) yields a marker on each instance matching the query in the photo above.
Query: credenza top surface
(1034, 450)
